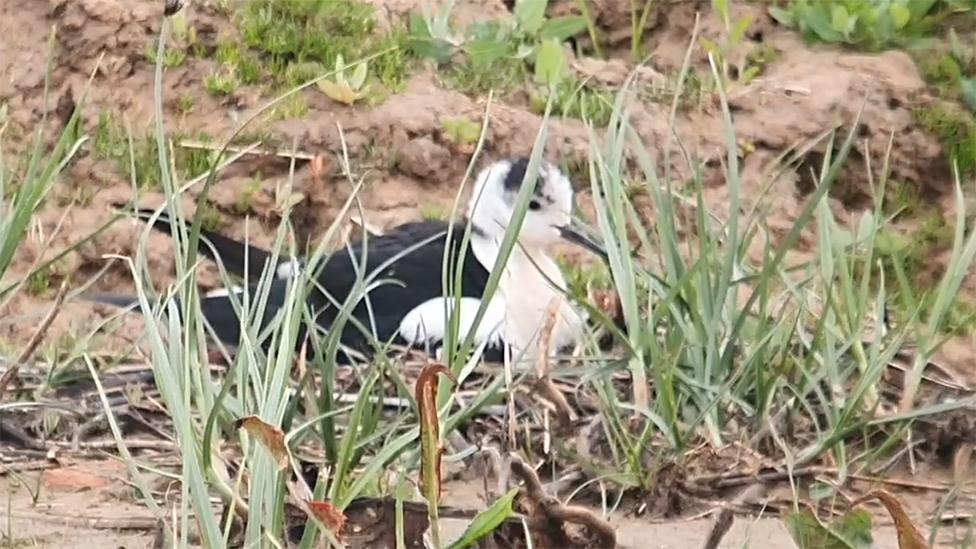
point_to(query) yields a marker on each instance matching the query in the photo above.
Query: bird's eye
(534, 205)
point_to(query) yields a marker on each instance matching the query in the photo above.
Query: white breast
(428, 322)
(529, 287)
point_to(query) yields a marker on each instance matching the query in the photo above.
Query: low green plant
(500, 75)
(245, 199)
(955, 128)
(869, 24)
(40, 282)
(569, 97)
(222, 81)
(185, 104)
(575, 100)
(433, 211)
(186, 44)
(236, 59)
(462, 132)
(346, 90)
(295, 106)
(210, 218)
(953, 69)
(496, 52)
(753, 63)
(174, 58)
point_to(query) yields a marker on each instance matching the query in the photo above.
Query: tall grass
(759, 344)
(22, 192)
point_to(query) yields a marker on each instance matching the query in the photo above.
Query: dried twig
(249, 150)
(32, 465)
(726, 516)
(12, 431)
(555, 513)
(733, 479)
(96, 523)
(132, 444)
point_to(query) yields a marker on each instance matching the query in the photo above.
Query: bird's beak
(575, 234)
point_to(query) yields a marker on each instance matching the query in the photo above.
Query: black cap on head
(516, 173)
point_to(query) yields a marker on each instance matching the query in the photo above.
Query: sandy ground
(85, 508)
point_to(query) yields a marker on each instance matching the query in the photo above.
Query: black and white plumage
(412, 311)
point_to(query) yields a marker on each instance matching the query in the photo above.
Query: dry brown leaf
(330, 515)
(271, 437)
(908, 535)
(426, 395)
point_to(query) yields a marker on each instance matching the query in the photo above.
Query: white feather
(224, 292)
(427, 322)
(289, 269)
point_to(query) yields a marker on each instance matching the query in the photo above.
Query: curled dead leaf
(908, 536)
(426, 395)
(271, 437)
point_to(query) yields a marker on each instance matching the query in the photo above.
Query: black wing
(235, 255)
(411, 274)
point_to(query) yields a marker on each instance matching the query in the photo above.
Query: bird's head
(549, 215)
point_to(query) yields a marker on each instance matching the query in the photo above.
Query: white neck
(529, 283)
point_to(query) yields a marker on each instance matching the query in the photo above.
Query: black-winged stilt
(411, 311)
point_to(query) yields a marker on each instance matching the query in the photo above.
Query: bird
(411, 311)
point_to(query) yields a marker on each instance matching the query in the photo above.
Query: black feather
(409, 281)
(243, 260)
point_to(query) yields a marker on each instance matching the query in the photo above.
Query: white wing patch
(289, 269)
(224, 292)
(428, 322)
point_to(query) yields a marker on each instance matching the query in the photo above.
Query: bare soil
(400, 147)
(90, 505)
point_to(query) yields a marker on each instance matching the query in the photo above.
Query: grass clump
(952, 67)
(138, 159)
(462, 132)
(221, 82)
(956, 129)
(574, 100)
(23, 192)
(210, 218)
(432, 211)
(245, 199)
(297, 39)
(42, 281)
(500, 75)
